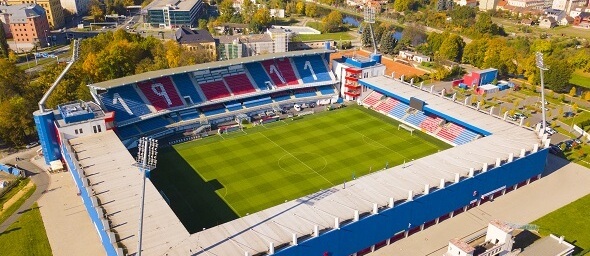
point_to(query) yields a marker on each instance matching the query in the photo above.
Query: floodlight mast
(146, 161)
(541, 65)
(370, 19)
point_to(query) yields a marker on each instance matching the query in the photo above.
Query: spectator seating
(455, 129)
(239, 84)
(430, 124)
(213, 109)
(305, 92)
(399, 110)
(465, 137)
(326, 89)
(127, 131)
(416, 118)
(257, 101)
(306, 64)
(258, 74)
(161, 93)
(233, 105)
(125, 102)
(387, 105)
(187, 88)
(280, 70)
(444, 134)
(372, 99)
(189, 115)
(215, 90)
(281, 96)
(152, 124)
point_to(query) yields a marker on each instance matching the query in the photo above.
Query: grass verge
(26, 236)
(17, 204)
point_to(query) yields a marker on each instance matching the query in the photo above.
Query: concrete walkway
(564, 183)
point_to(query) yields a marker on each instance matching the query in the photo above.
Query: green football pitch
(220, 178)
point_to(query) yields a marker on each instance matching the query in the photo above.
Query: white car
(550, 131)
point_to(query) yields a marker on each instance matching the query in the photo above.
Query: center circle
(303, 163)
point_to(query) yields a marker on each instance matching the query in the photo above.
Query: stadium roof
(117, 183)
(217, 64)
(104, 154)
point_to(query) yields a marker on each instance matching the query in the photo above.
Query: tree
(260, 20)
(3, 43)
(587, 96)
(96, 11)
(12, 80)
(484, 25)
(474, 52)
(247, 10)
(452, 48)
(573, 91)
(226, 10)
(300, 8)
(435, 40)
(332, 22)
(558, 75)
(311, 10)
(387, 44)
(575, 108)
(402, 5)
(413, 35)
(463, 16)
(498, 55)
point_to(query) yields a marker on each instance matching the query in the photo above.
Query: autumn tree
(311, 10)
(474, 52)
(435, 40)
(332, 22)
(300, 8)
(226, 10)
(573, 91)
(260, 20)
(463, 16)
(558, 75)
(452, 48)
(96, 11)
(402, 5)
(4, 49)
(387, 44)
(587, 96)
(247, 10)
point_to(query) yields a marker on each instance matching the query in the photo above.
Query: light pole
(146, 161)
(47, 38)
(542, 67)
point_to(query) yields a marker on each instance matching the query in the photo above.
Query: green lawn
(17, 204)
(580, 78)
(261, 167)
(570, 221)
(26, 236)
(327, 36)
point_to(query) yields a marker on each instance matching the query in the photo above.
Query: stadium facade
(491, 156)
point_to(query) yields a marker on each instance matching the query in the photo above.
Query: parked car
(32, 144)
(550, 130)
(568, 114)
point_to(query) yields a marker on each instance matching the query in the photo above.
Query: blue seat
(399, 110)
(465, 136)
(152, 124)
(317, 65)
(416, 118)
(258, 101)
(125, 102)
(259, 75)
(326, 89)
(281, 98)
(127, 131)
(189, 116)
(233, 105)
(186, 87)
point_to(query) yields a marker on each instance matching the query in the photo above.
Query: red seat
(161, 93)
(279, 71)
(239, 84)
(215, 90)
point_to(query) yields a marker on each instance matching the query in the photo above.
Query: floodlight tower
(146, 161)
(370, 19)
(542, 67)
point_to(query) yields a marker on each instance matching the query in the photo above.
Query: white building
(535, 4)
(79, 7)
(413, 56)
(485, 5)
(349, 69)
(470, 3)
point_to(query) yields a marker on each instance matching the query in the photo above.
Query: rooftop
(501, 225)
(173, 5)
(549, 245)
(179, 70)
(20, 12)
(463, 246)
(187, 36)
(77, 111)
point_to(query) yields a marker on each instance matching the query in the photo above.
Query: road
(38, 176)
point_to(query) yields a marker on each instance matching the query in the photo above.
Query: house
(535, 4)
(582, 19)
(485, 5)
(196, 40)
(409, 55)
(526, 22)
(27, 22)
(470, 3)
(565, 21)
(548, 22)
(53, 10)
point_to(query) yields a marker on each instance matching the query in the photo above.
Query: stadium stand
(416, 118)
(386, 105)
(280, 71)
(233, 105)
(239, 84)
(125, 102)
(258, 74)
(465, 137)
(326, 89)
(305, 92)
(312, 69)
(152, 124)
(213, 109)
(257, 101)
(127, 131)
(215, 90)
(281, 96)
(189, 116)
(161, 93)
(430, 124)
(399, 110)
(446, 135)
(186, 88)
(372, 99)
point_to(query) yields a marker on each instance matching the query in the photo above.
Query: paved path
(38, 176)
(564, 183)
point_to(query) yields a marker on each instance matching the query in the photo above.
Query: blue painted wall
(375, 228)
(44, 123)
(9, 169)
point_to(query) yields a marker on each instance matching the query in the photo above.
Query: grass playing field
(217, 179)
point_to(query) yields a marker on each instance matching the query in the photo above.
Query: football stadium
(281, 154)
